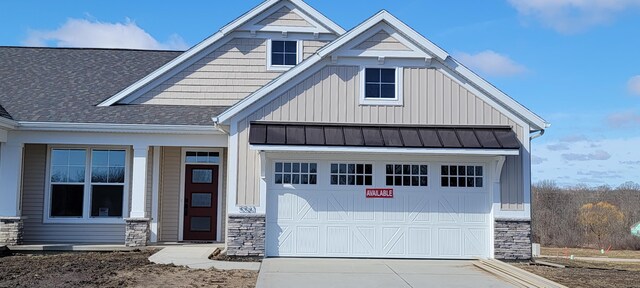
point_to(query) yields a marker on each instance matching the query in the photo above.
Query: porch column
(137, 225)
(10, 180)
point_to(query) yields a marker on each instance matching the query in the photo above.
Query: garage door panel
(448, 208)
(363, 239)
(338, 240)
(338, 206)
(419, 242)
(307, 240)
(449, 240)
(307, 208)
(366, 208)
(393, 239)
(419, 209)
(475, 241)
(284, 243)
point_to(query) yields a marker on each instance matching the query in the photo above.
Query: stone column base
(11, 231)
(137, 232)
(512, 239)
(245, 236)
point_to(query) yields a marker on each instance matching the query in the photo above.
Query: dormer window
(381, 86)
(283, 54)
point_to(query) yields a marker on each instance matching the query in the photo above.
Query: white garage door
(320, 209)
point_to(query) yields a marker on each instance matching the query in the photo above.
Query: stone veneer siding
(137, 232)
(11, 231)
(512, 239)
(245, 235)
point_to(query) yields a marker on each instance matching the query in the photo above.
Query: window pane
(343, 168)
(424, 170)
(398, 169)
(305, 179)
(351, 180)
(389, 181)
(203, 157)
(59, 157)
(277, 59)
(461, 182)
(296, 167)
(424, 181)
(388, 91)
(470, 170)
(352, 169)
(67, 200)
(200, 224)
(478, 182)
(191, 157)
(453, 170)
(290, 59)
(106, 201)
(462, 170)
(287, 167)
(372, 75)
(116, 175)
(368, 169)
(59, 174)
(76, 174)
(117, 158)
(453, 182)
(304, 167)
(287, 179)
(313, 179)
(470, 182)
(389, 169)
(334, 179)
(415, 181)
(100, 158)
(368, 180)
(290, 46)
(415, 170)
(444, 182)
(295, 179)
(313, 168)
(201, 176)
(444, 170)
(479, 171)
(202, 200)
(100, 175)
(406, 180)
(77, 157)
(343, 180)
(278, 178)
(406, 169)
(334, 168)
(388, 76)
(278, 167)
(372, 91)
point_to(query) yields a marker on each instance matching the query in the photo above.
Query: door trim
(183, 170)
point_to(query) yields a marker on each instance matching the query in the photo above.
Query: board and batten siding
(332, 96)
(222, 78)
(35, 231)
(170, 193)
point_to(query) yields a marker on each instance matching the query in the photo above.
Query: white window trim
(397, 101)
(86, 209)
(299, 51)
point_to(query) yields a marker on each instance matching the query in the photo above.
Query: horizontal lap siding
(332, 95)
(170, 171)
(223, 77)
(35, 230)
(285, 17)
(382, 41)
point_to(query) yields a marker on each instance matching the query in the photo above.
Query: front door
(200, 202)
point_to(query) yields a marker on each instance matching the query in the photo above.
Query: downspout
(540, 133)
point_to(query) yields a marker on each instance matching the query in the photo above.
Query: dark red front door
(200, 202)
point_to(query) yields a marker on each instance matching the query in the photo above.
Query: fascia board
(117, 128)
(386, 150)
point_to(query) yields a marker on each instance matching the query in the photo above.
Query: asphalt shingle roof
(65, 85)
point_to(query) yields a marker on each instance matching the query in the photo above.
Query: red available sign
(379, 193)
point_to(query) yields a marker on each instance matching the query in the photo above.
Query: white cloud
(491, 63)
(571, 16)
(634, 85)
(535, 160)
(95, 34)
(624, 119)
(558, 147)
(574, 138)
(599, 155)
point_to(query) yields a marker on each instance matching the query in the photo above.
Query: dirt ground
(119, 269)
(582, 252)
(589, 274)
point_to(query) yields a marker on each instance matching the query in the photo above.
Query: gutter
(117, 128)
(8, 123)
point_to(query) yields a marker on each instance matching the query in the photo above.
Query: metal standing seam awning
(471, 140)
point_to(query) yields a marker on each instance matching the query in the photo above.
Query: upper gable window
(283, 54)
(381, 86)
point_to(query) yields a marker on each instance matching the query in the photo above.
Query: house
(280, 135)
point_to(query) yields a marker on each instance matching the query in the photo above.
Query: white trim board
(184, 58)
(385, 150)
(119, 128)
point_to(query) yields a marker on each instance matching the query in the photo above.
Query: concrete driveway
(287, 272)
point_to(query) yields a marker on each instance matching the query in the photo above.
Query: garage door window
(296, 173)
(347, 174)
(407, 175)
(461, 176)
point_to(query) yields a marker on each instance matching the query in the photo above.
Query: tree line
(589, 217)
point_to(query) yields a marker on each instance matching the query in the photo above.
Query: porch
(127, 189)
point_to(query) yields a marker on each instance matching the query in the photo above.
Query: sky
(576, 63)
